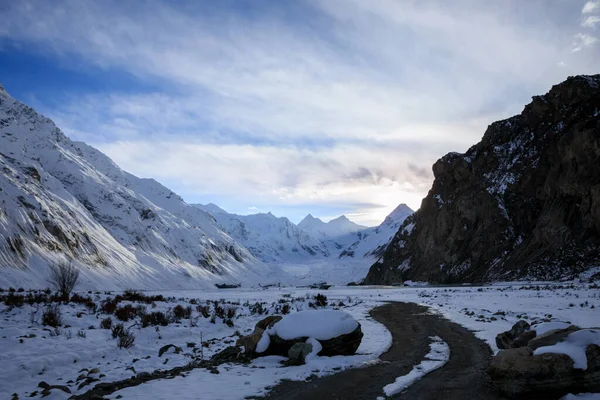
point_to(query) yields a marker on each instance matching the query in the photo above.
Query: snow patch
(317, 324)
(574, 346)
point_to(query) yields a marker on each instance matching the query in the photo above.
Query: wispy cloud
(326, 102)
(591, 6)
(591, 21)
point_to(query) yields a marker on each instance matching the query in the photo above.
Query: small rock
(166, 348)
(298, 352)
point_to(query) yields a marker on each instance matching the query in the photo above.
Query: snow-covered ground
(33, 353)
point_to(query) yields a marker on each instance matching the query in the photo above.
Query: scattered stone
(298, 352)
(506, 339)
(166, 348)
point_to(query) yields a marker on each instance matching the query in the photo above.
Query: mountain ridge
(64, 199)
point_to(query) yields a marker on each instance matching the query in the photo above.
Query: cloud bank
(320, 106)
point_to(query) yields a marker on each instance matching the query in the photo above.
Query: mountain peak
(2, 90)
(401, 210)
(341, 218)
(310, 219)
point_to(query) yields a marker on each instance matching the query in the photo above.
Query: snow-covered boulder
(337, 333)
(557, 362)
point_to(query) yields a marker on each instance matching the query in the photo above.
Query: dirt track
(463, 377)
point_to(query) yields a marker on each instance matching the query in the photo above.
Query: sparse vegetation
(126, 339)
(117, 330)
(320, 300)
(154, 319)
(52, 316)
(204, 310)
(181, 312)
(64, 277)
(14, 300)
(106, 323)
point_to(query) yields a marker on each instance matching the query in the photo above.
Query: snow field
(59, 359)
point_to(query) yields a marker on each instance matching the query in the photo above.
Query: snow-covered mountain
(60, 198)
(338, 228)
(372, 241)
(269, 238)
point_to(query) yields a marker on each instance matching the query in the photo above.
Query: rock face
(523, 202)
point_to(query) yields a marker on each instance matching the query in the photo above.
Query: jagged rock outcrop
(522, 203)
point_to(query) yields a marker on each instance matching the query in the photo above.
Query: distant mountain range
(335, 228)
(64, 200)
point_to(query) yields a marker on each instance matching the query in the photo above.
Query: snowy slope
(372, 241)
(60, 198)
(267, 237)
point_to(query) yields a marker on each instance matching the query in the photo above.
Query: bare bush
(126, 339)
(204, 310)
(64, 277)
(181, 312)
(106, 323)
(154, 319)
(117, 330)
(52, 316)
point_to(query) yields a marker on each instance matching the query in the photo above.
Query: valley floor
(80, 354)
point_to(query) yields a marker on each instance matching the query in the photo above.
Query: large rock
(506, 340)
(249, 342)
(343, 345)
(519, 374)
(524, 202)
(551, 337)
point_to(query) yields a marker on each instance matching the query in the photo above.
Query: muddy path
(462, 377)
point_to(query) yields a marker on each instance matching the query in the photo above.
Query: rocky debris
(298, 352)
(505, 340)
(231, 354)
(517, 372)
(523, 202)
(47, 388)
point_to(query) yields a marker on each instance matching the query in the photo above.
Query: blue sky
(295, 107)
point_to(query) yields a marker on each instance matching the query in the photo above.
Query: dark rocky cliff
(522, 203)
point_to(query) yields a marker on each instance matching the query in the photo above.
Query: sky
(326, 107)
